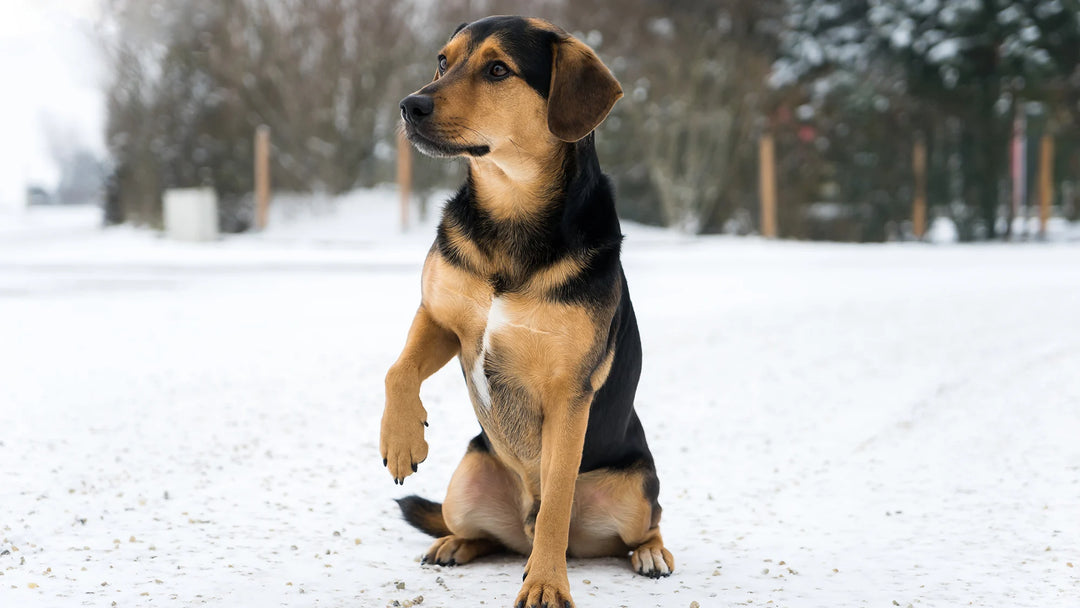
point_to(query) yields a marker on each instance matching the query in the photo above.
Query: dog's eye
(498, 69)
(442, 64)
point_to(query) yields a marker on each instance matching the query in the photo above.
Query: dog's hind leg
(483, 511)
(615, 512)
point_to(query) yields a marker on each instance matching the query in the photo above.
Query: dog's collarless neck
(578, 215)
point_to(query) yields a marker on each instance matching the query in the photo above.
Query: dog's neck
(576, 211)
(518, 186)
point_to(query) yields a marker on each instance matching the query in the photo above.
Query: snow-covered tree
(969, 59)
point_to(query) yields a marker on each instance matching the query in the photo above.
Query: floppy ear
(582, 90)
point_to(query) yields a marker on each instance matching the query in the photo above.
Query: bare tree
(192, 80)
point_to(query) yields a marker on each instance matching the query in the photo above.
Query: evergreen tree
(970, 59)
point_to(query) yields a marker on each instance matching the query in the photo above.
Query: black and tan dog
(525, 286)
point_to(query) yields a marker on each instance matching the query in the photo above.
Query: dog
(525, 286)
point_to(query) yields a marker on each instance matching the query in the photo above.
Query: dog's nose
(416, 108)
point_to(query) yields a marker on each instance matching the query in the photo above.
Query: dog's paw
(652, 560)
(401, 441)
(546, 585)
(537, 593)
(455, 550)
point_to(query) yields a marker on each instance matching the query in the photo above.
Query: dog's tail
(424, 515)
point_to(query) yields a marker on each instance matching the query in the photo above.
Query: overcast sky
(50, 73)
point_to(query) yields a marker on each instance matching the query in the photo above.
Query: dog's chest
(508, 356)
(518, 351)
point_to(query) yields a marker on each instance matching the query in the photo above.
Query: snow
(834, 425)
(944, 51)
(942, 231)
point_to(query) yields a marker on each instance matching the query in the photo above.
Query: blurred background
(874, 120)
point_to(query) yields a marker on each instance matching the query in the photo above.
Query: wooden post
(262, 176)
(1046, 181)
(918, 212)
(767, 173)
(404, 177)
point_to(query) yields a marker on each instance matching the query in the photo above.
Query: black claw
(414, 467)
(423, 560)
(425, 423)
(452, 562)
(523, 575)
(384, 462)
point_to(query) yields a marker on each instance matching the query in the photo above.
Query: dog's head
(509, 85)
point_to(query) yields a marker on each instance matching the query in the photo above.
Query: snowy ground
(834, 425)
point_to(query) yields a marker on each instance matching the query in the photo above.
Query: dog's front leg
(562, 439)
(401, 441)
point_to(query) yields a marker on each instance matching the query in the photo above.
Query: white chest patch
(497, 318)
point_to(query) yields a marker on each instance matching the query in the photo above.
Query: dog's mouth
(438, 148)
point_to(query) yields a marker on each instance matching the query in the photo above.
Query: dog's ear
(582, 90)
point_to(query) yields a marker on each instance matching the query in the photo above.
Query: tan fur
(485, 501)
(428, 348)
(599, 376)
(563, 438)
(556, 275)
(582, 91)
(456, 550)
(652, 553)
(610, 515)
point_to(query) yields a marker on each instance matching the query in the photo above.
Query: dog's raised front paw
(401, 441)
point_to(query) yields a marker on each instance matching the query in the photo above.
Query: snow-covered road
(834, 425)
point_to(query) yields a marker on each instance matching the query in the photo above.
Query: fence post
(767, 174)
(262, 176)
(404, 177)
(1046, 181)
(918, 212)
